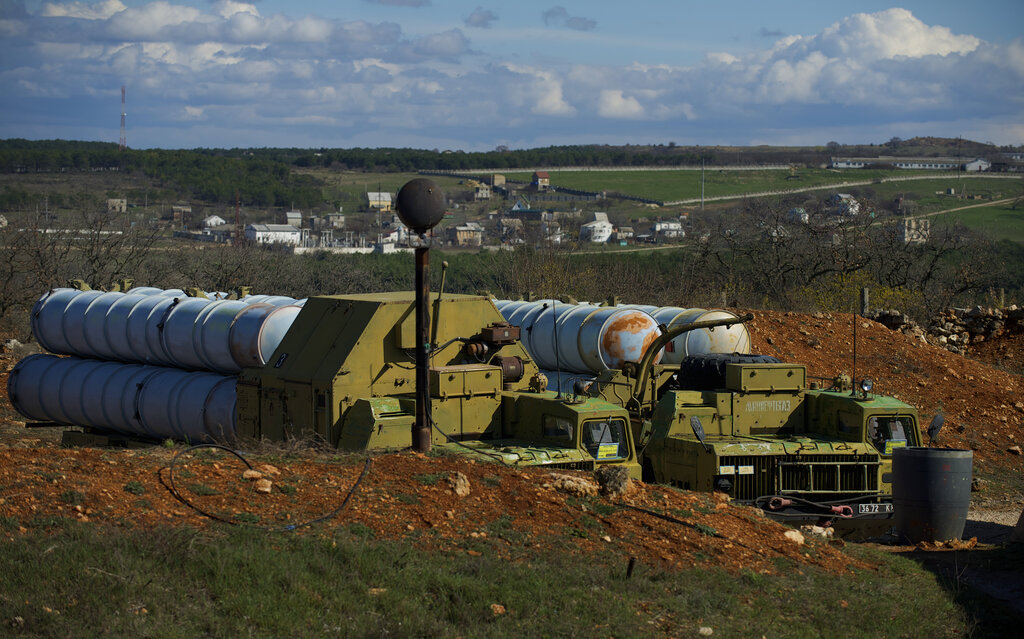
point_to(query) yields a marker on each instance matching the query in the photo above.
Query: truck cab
(760, 433)
(545, 429)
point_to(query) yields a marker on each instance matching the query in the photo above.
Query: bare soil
(412, 496)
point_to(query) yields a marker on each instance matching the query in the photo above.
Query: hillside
(982, 403)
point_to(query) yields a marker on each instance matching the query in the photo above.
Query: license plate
(873, 509)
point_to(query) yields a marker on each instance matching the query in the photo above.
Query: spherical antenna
(420, 203)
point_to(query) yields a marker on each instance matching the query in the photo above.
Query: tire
(707, 372)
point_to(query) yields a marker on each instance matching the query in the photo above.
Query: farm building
(598, 231)
(924, 163)
(273, 234)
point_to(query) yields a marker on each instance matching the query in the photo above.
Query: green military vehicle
(748, 426)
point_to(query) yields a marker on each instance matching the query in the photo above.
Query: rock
(613, 480)
(264, 486)
(497, 609)
(459, 484)
(267, 469)
(705, 631)
(252, 475)
(572, 485)
(818, 531)
(794, 536)
(1014, 450)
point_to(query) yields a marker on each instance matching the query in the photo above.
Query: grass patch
(134, 487)
(86, 580)
(202, 490)
(72, 497)
(430, 479)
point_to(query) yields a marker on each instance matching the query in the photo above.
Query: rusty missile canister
(610, 337)
(721, 339)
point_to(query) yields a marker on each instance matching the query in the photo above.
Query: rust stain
(626, 324)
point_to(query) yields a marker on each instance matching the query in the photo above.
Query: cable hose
(177, 494)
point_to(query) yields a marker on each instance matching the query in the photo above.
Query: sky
(478, 75)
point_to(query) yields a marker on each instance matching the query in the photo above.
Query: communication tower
(123, 141)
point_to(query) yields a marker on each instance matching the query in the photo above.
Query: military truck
(343, 373)
(745, 425)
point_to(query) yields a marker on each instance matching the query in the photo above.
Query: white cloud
(481, 18)
(97, 11)
(235, 74)
(613, 104)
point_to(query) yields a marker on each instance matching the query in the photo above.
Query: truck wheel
(707, 372)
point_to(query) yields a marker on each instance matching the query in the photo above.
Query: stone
(459, 484)
(252, 475)
(264, 486)
(613, 480)
(1014, 450)
(705, 631)
(572, 485)
(497, 609)
(794, 536)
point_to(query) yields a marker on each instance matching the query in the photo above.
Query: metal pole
(421, 428)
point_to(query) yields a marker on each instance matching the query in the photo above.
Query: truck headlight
(866, 385)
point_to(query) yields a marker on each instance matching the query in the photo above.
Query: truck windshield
(886, 432)
(605, 439)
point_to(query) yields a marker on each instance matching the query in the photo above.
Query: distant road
(837, 185)
(961, 208)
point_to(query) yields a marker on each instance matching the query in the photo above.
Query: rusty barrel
(931, 493)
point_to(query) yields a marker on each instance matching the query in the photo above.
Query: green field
(999, 221)
(75, 580)
(685, 184)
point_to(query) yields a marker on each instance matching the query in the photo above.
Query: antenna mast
(123, 141)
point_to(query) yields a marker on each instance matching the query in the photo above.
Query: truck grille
(580, 465)
(837, 476)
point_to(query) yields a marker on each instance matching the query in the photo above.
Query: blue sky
(476, 75)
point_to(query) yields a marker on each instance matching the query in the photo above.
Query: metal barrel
(149, 327)
(142, 328)
(177, 404)
(47, 319)
(133, 399)
(609, 337)
(721, 339)
(152, 290)
(178, 333)
(213, 326)
(257, 331)
(73, 322)
(583, 338)
(273, 300)
(931, 493)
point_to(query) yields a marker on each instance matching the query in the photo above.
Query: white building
(915, 230)
(669, 229)
(844, 204)
(273, 234)
(598, 231)
(293, 218)
(214, 220)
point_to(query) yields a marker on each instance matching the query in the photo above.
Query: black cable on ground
(177, 494)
